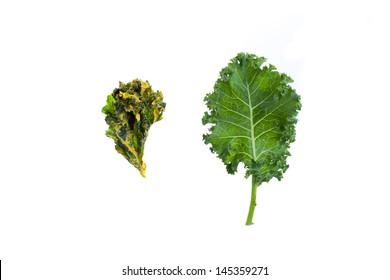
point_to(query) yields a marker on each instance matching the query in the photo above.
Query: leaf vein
(270, 113)
(265, 132)
(236, 124)
(231, 110)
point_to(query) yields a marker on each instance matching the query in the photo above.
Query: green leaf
(130, 111)
(252, 112)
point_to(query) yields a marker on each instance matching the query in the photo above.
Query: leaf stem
(252, 203)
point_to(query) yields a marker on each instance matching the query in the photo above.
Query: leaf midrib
(249, 104)
(251, 122)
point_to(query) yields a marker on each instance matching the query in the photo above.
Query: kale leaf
(252, 112)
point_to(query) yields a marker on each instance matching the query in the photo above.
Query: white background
(72, 208)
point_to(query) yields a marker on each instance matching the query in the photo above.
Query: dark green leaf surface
(253, 112)
(131, 109)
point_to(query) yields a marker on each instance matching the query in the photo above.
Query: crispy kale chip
(252, 112)
(130, 111)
